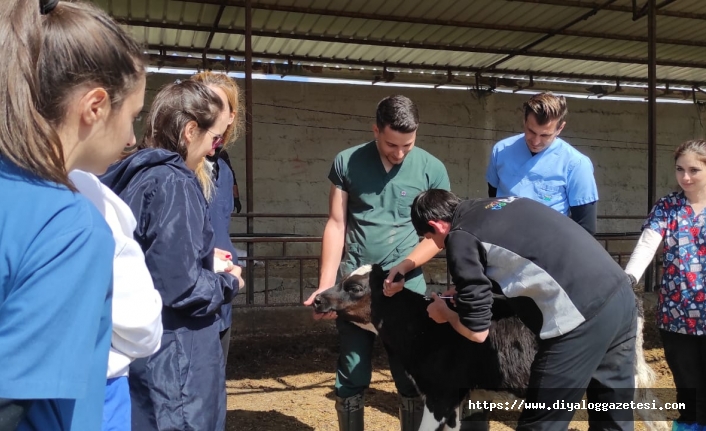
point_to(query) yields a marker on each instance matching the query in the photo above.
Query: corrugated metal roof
(562, 38)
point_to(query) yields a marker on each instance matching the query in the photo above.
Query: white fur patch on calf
(644, 375)
(431, 424)
(363, 270)
(428, 421)
(644, 378)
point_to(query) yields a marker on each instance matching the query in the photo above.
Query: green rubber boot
(350, 413)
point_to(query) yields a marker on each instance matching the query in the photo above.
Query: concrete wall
(299, 128)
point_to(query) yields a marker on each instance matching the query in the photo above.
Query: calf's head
(350, 298)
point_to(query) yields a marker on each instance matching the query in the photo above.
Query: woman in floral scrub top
(678, 219)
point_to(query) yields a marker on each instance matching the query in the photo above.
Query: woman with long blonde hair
(218, 172)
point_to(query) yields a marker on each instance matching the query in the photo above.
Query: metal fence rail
(614, 243)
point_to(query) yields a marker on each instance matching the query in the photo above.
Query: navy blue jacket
(220, 210)
(182, 386)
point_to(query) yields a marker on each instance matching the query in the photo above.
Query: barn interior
(312, 72)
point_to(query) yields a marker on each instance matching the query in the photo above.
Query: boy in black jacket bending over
(563, 285)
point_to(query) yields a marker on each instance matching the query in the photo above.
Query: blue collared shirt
(559, 176)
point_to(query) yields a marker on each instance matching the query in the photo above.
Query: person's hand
(221, 254)
(390, 287)
(221, 260)
(452, 293)
(236, 271)
(319, 316)
(438, 310)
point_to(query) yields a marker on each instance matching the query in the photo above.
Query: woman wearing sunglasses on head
(182, 386)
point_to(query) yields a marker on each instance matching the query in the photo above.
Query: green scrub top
(378, 222)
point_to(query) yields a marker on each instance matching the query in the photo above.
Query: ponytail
(26, 138)
(46, 58)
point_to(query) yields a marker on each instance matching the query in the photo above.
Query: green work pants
(355, 368)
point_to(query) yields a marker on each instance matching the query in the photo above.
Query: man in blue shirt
(541, 166)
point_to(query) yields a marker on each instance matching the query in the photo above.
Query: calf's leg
(430, 423)
(411, 403)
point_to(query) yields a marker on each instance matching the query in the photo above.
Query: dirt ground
(285, 383)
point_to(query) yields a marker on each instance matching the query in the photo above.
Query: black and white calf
(444, 365)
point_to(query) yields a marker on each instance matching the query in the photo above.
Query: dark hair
(433, 204)
(696, 146)
(173, 108)
(46, 58)
(546, 107)
(398, 113)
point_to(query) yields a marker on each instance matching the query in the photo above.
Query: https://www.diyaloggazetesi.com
(572, 406)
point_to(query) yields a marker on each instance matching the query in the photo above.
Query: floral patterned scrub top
(682, 301)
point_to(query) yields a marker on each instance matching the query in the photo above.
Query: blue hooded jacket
(175, 233)
(220, 209)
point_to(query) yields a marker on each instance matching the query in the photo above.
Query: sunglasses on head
(217, 140)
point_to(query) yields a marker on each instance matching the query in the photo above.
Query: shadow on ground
(272, 355)
(260, 421)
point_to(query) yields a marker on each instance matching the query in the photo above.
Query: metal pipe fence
(301, 271)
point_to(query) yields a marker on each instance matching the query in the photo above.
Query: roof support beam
(418, 67)
(448, 23)
(413, 45)
(551, 34)
(652, 105)
(616, 8)
(216, 22)
(651, 120)
(249, 157)
(643, 11)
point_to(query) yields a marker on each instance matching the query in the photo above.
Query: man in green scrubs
(372, 189)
